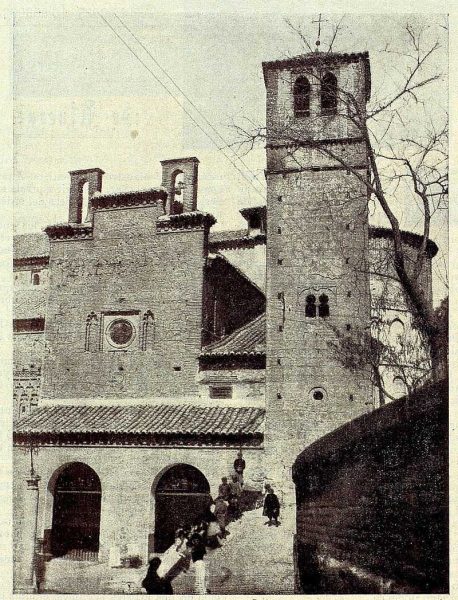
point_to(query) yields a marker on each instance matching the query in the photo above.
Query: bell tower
(317, 249)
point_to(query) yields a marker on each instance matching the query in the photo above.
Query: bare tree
(400, 163)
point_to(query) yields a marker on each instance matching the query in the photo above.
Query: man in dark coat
(239, 467)
(154, 584)
(271, 507)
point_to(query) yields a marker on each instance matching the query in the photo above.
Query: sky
(82, 100)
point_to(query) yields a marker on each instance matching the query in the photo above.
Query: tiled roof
(223, 236)
(30, 245)
(235, 240)
(249, 339)
(30, 304)
(142, 419)
(253, 210)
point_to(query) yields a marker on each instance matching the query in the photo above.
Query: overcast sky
(83, 100)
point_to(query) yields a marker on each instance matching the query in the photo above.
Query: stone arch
(180, 494)
(73, 511)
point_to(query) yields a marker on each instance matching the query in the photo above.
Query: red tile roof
(142, 419)
(249, 339)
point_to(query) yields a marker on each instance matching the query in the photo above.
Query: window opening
(301, 97)
(36, 279)
(84, 191)
(323, 308)
(221, 391)
(318, 394)
(178, 186)
(310, 306)
(329, 94)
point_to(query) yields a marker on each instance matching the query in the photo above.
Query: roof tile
(149, 419)
(249, 339)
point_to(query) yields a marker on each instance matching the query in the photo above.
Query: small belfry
(316, 260)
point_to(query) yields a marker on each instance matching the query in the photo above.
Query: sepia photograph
(230, 302)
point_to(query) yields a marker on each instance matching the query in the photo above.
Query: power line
(181, 106)
(196, 108)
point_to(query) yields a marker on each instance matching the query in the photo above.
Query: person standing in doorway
(239, 467)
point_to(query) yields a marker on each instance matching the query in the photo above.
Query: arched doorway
(182, 495)
(76, 513)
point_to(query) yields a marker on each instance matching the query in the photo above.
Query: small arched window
(329, 94)
(301, 93)
(36, 279)
(323, 308)
(310, 306)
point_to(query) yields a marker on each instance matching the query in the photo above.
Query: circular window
(317, 394)
(120, 332)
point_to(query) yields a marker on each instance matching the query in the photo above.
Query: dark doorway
(182, 495)
(76, 513)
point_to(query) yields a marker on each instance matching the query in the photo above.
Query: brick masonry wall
(127, 266)
(372, 502)
(128, 478)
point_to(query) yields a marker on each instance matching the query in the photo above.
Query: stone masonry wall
(317, 244)
(372, 502)
(127, 268)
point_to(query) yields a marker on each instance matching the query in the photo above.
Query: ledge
(67, 231)
(148, 197)
(189, 220)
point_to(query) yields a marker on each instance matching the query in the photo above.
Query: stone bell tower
(317, 249)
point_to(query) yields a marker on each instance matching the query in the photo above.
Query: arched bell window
(301, 92)
(329, 94)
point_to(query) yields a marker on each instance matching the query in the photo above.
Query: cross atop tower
(319, 21)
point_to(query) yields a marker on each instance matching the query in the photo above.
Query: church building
(146, 356)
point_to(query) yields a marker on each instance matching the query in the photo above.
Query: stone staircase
(254, 559)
